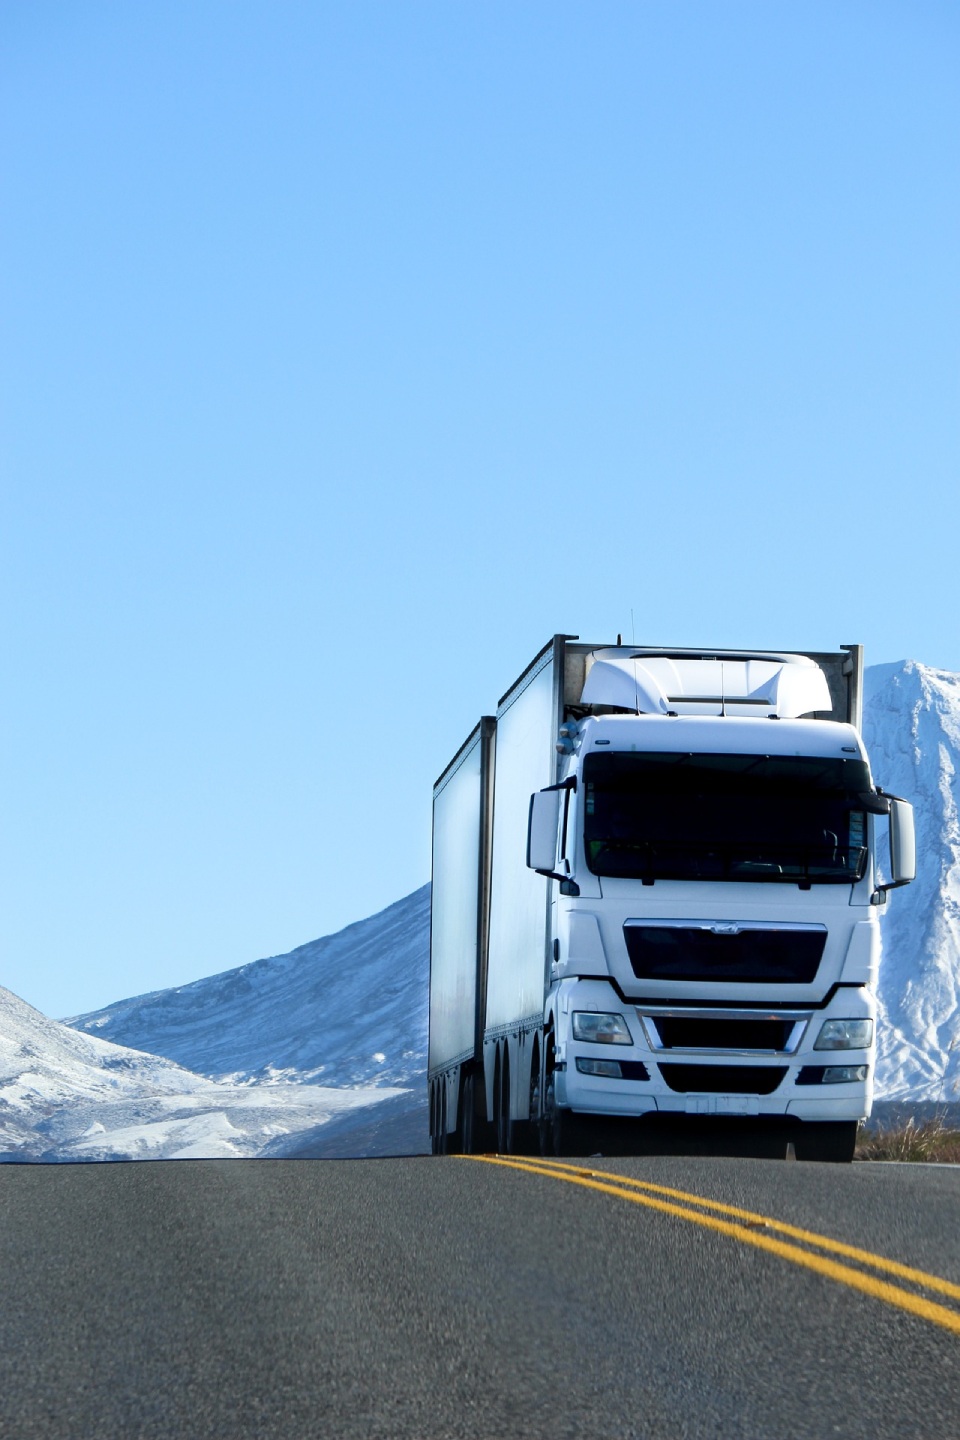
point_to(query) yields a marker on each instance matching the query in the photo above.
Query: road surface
(456, 1297)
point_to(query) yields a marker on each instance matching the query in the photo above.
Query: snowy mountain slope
(66, 1095)
(349, 1009)
(912, 731)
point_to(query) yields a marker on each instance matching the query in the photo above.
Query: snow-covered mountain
(912, 731)
(66, 1095)
(347, 1011)
(350, 1009)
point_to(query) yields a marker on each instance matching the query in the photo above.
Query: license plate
(723, 1105)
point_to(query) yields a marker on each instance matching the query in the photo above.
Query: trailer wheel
(833, 1141)
(502, 1102)
(524, 1135)
(434, 1119)
(484, 1128)
(465, 1116)
(532, 1130)
(439, 1138)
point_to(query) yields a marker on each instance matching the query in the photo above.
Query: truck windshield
(655, 816)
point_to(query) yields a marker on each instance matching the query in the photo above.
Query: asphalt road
(454, 1297)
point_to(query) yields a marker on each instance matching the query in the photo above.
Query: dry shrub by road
(931, 1140)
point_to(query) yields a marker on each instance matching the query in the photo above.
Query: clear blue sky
(350, 350)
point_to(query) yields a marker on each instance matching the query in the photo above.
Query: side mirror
(542, 826)
(903, 847)
(903, 844)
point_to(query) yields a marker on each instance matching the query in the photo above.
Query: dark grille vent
(723, 1079)
(680, 1032)
(679, 952)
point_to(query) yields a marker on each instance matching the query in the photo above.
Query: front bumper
(711, 1080)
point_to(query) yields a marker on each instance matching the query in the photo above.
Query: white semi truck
(656, 893)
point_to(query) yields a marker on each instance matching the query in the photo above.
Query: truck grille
(787, 955)
(681, 1032)
(723, 1079)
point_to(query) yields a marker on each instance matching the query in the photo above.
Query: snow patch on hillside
(912, 732)
(349, 1009)
(66, 1095)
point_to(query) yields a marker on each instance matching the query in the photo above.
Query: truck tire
(561, 1131)
(527, 1134)
(501, 1099)
(832, 1141)
(464, 1136)
(442, 1119)
(434, 1122)
(547, 1108)
(438, 1118)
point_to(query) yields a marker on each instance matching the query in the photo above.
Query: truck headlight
(600, 1029)
(844, 1074)
(845, 1035)
(608, 1068)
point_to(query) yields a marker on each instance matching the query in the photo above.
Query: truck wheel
(548, 1127)
(554, 1123)
(833, 1141)
(561, 1132)
(465, 1116)
(440, 1148)
(527, 1136)
(502, 1100)
(435, 1119)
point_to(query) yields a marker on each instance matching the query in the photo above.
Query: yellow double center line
(762, 1232)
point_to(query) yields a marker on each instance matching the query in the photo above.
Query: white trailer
(656, 892)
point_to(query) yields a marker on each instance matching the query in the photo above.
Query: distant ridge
(348, 1009)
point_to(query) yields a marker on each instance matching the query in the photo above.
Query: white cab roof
(713, 735)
